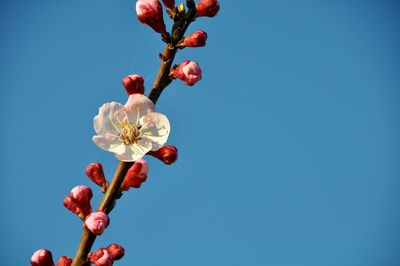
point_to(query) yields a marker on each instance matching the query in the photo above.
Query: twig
(162, 80)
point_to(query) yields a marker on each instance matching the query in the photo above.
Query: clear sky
(289, 146)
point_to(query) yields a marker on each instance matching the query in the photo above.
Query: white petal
(103, 122)
(137, 106)
(134, 152)
(109, 143)
(156, 129)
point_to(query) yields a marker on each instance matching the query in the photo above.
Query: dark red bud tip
(133, 84)
(169, 3)
(207, 8)
(64, 261)
(42, 257)
(167, 154)
(196, 39)
(136, 175)
(95, 172)
(116, 251)
(101, 257)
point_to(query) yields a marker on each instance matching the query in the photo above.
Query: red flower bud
(188, 71)
(78, 201)
(133, 84)
(116, 251)
(42, 257)
(169, 3)
(207, 8)
(136, 175)
(97, 222)
(167, 154)
(196, 39)
(150, 12)
(95, 172)
(101, 257)
(64, 261)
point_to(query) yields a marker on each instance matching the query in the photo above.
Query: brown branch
(162, 80)
(105, 205)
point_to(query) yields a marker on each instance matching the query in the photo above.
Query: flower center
(130, 133)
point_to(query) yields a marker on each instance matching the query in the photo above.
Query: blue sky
(289, 145)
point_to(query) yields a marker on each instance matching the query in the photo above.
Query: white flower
(132, 130)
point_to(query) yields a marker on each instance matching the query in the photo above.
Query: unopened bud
(136, 175)
(150, 12)
(133, 84)
(116, 251)
(167, 154)
(64, 261)
(196, 39)
(207, 8)
(78, 201)
(42, 257)
(97, 222)
(95, 172)
(169, 3)
(101, 257)
(188, 71)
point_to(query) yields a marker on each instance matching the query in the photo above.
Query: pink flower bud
(95, 172)
(150, 12)
(169, 3)
(133, 84)
(101, 257)
(64, 261)
(188, 71)
(78, 201)
(207, 8)
(136, 175)
(116, 251)
(196, 39)
(167, 154)
(97, 222)
(42, 257)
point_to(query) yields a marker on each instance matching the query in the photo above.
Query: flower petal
(135, 151)
(103, 122)
(155, 128)
(137, 106)
(109, 143)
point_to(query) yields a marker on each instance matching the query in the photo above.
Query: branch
(161, 82)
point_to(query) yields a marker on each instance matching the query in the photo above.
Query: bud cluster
(106, 256)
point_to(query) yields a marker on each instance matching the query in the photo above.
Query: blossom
(42, 257)
(150, 12)
(132, 130)
(97, 222)
(196, 39)
(207, 8)
(188, 71)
